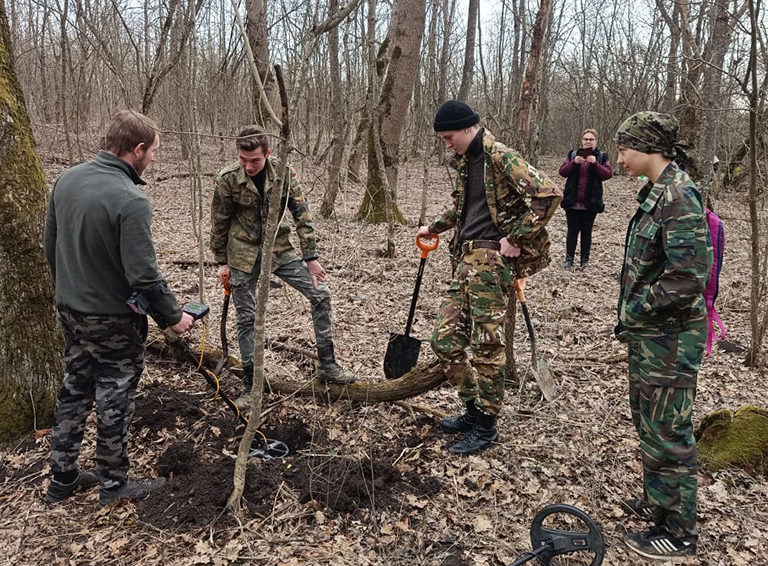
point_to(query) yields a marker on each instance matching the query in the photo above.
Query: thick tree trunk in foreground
(30, 348)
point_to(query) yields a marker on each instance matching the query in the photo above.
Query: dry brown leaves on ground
(374, 484)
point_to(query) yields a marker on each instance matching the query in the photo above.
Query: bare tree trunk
(63, 90)
(469, 51)
(670, 88)
(753, 355)
(262, 296)
(30, 359)
(337, 121)
(406, 31)
(256, 28)
(449, 9)
(529, 95)
(373, 91)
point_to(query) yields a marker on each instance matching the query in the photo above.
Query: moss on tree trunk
(736, 439)
(30, 347)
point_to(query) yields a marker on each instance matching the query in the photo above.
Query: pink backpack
(717, 232)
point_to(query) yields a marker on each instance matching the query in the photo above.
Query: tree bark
(530, 92)
(30, 355)
(406, 31)
(424, 377)
(256, 29)
(337, 120)
(469, 51)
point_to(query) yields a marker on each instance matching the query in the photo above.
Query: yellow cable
(202, 352)
(216, 379)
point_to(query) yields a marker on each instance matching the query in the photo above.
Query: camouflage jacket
(239, 214)
(509, 179)
(667, 261)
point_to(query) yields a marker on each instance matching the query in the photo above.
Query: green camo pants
(472, 315)
(662, 390)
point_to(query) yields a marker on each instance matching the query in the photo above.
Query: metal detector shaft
(528, 556)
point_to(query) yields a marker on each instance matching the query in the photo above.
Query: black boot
(245, 397)
(482, 435)
(568, 262)
(463, 423)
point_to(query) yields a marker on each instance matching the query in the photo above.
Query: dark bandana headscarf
(653, 132)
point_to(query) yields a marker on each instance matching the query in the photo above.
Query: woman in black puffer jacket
(585, 168)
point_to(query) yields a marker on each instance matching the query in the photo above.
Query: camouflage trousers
(662, 390)
(296, 274)
(104, 358)
(472, 316)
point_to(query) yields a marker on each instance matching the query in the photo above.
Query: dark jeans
(579, 222)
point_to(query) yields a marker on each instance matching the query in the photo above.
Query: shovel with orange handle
(403, 350)
(539, 367)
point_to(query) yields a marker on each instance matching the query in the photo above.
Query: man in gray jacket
(99, 246)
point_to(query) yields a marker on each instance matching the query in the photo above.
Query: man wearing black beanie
(499, 235)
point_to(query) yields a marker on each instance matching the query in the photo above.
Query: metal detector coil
(550, 542)
(269, 451)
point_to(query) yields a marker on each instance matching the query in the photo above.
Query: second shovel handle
(225, 283)
(520, 289)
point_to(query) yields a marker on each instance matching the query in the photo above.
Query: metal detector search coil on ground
(549, 542)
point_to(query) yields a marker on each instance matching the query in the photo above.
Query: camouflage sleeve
(222, 211)
(305, 229)
(450, 217)
(687, 250)
(544, 195)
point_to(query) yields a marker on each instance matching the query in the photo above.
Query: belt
(469, 245)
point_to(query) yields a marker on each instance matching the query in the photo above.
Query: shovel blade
(545, 380)
(402, 355)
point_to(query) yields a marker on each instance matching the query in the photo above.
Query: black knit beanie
(455, 115)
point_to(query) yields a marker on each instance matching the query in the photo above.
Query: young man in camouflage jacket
(238, 217)
(499, 235)
(663, 319)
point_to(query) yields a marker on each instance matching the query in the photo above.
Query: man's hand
(579, 159)
(423, 232)
(223, 270)
(591, 159)
(316, 270)
(507, 249)
(186, 323)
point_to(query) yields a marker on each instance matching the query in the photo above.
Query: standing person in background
(663, 320)
(585, 168)
(501, 205)
(99, 247)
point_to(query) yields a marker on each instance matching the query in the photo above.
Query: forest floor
(374, 483)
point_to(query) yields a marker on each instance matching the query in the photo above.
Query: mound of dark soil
(200, 469)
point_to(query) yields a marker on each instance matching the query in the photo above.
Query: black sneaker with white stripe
(659, 544)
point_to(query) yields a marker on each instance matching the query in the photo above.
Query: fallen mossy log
(423, 378)
(739, 439)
